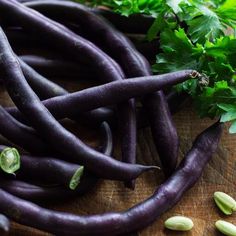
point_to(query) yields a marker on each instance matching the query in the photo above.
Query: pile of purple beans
(57, 163)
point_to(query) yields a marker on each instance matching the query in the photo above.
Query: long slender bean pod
(58, 171)
(37, 193)
(93, 117)
(44, 88)
(135, 218)
(54, 170)
(58, 68)
(134, 64)
(21, 134)
(136, 24)
(42, 193)
(22, 41)
(28, 139)
(41, 119)
(175, 102)
(72, 44)
(128, 117)
(111, 93)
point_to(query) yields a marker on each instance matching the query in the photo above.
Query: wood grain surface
(219, 175)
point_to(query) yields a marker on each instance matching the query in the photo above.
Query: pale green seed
(225, 202)
(10, 160)
(75, 180)
(180, 223)
(226, 228)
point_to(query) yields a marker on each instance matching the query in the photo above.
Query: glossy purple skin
(133, 63)
(45, 88)
(42, 86)
(40, 194)
(59, 68)
(21, 134)
(47, 170)
(135, 218)
(110, 93)
(21, 41)
(108, 145)
(175, 101)
(55, 170)
(107, 37)
(79, 48)
(135, 24)
(53, 132)
(127, 119)
(27, 138)
(163, 130)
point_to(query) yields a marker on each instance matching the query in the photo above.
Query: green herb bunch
(196, 35)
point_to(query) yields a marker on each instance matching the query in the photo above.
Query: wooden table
(219, 175)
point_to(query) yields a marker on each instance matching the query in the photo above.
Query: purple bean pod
(45, 88)
(41, 194)
(45, 124)
(110, 93)
(133, 63)
(21, 134)
(133, 219)
(71, 44)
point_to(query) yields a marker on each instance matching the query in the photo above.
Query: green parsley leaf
(178, 52)
(207, 102)
(227, 12)
(156, 27)
(204, 25)
(174, 4)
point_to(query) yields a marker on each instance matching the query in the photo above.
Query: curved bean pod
(37, 193)
(21, 134)
(133, 63)
(135, 218)
(73, 45)
(21, 41)
(127, 119)
(111, 93)
(42, 86)
(45, 88)
(54, 170)
(41, 193)
(29, 140)
(62, 140)
(58, 68)
(135, 24)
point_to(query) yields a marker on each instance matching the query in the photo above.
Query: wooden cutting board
(219, 175)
